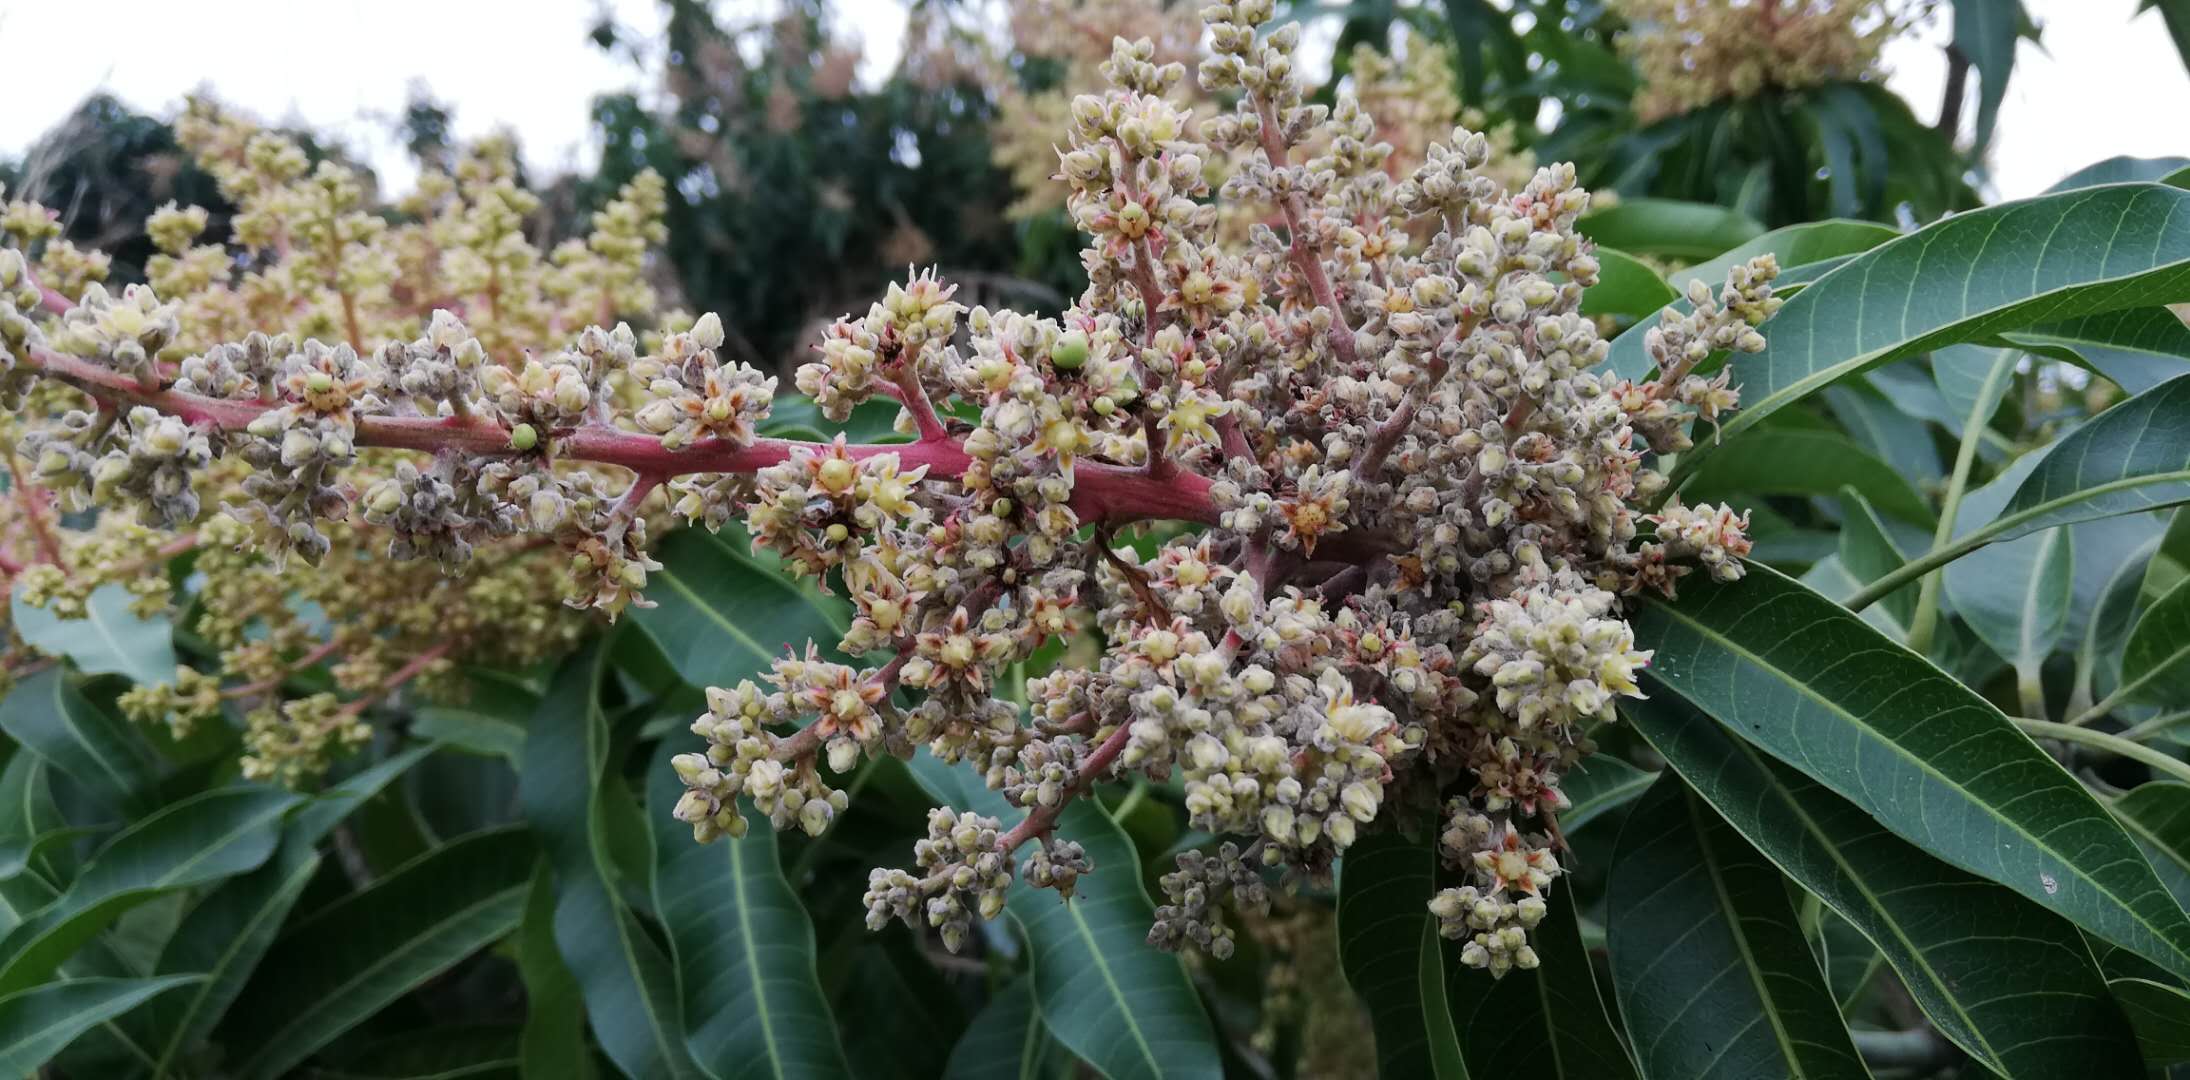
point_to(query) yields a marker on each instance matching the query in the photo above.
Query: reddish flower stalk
(1040, 820)
(1101, 492)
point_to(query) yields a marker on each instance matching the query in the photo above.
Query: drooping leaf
(227, 933)
(2156, 661)
(1968, 276)
(1895, 437)
(743, 947)
(2161, 1016)
(343, 963)
(1794, 245)
(2016, 595)
(1985, 31)
(39, 1022)
(1710, 967)
(1102, 990)
(209, 836)
(1006, 1041)
(1783, 462)
(109, 640)
(2157, 814)
(470, 729)
(630, 987)
(2134, 456)
(2011, 984)
(2138, 348)
(1393, 958)
(1546, 1022)
(1868, 552)
(553, 1043)
(1669, 228)
(30, 820)
(1626, 286)
(2176, 15)
(722, 615)
(1598, 785)
(55, 721)
(1809, 683)
(2118, 170)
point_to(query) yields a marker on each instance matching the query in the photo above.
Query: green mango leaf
(1546, 1022)
(2157, 814)
(109, 640)
(1103, 991)
(1392, 956)
(1985, 31)
(1794, 245)
(92, 746)
(1007, 1041)
(461, 1052)
(2016, 596)
(30, 819)
(1968, 276)
(1709, 964)
(2176, 15)
(742, 944)
(1808, 682)
(2156, 661)
(2138, 349)
(553, 1043)
(337, 967)
(1895, 437)
(1669, 228)
(2161, 1015)
(722, 615)
(229, 931)
(2118, 170)
(630, 987)
(2011, 984)
(1867, 552)
(1597, 786)
(1850, 961)
(1786, 462)
(471, 730)
(39, 1022)
(209, 836)
(2130, 458)
(1626, 286)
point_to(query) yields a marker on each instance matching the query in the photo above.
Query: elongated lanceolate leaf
(56, 722)
(1808, 463)
(2158, 815)
(2161, 1015)
(1794, 245)
(1102, 990)
(1710, 967)
(2134, 456)
(2010, 983)
(109, 640)
(39, 1022)
(1966, 277)
(336, 968)
(2156, 662)
(207, 837)
(2016, 595)
(743, 947)
(1393, 958)
(1669, 228)
(721, 615)
(2138, 349)
(552, 1045)
(1548, 1022)
(630, 986)
(1006, 1041)
(1598, 785)
(1809, 683)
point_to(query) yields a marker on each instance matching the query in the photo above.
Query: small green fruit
(523, 438)
(1070, 352)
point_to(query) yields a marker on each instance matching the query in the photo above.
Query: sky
(2105, 82)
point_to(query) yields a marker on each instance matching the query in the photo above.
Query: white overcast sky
(2105, 83)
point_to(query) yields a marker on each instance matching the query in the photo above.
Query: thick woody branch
(1101, 492)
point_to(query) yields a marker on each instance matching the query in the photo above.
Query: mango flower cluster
(1413, 503)
(1692, 53)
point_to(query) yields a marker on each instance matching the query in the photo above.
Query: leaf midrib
(1734, 929)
